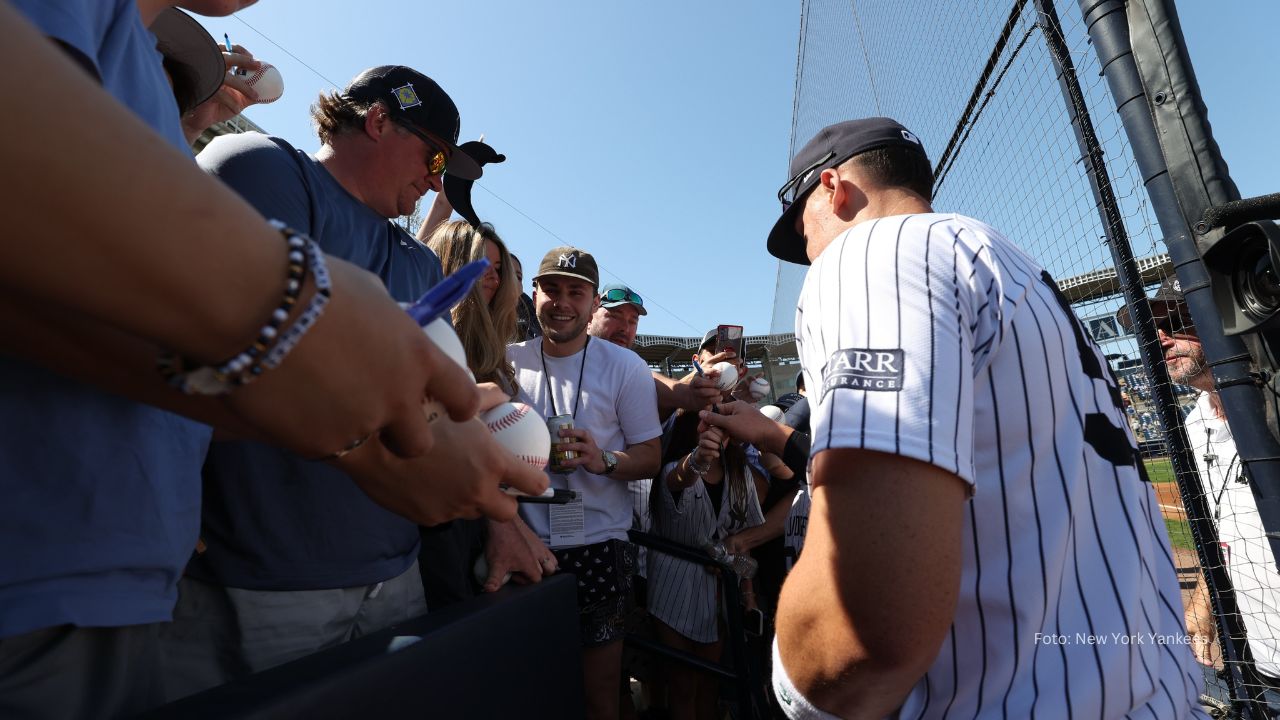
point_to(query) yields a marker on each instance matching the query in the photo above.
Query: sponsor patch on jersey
(878, 370)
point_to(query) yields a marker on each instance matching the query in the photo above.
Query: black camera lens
(1256, 285)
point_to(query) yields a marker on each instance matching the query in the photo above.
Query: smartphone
(753, 621)
(729, 337)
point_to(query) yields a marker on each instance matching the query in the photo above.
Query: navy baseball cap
(414, 98)
(833, 145)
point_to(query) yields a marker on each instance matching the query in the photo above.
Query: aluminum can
(558, 456)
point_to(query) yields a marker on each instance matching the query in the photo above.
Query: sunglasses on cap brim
(622, 295)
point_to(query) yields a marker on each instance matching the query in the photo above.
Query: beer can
(558, 456)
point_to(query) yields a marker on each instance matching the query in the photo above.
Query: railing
(741, 670)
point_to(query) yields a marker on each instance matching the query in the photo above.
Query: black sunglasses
(622, 295)
(1174, 324)
(797, 179)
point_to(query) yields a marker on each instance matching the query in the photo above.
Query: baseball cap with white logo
(832, 145)
(570, 262)
(1167, 302)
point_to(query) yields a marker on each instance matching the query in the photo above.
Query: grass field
(1179, 534)
(1160, 470)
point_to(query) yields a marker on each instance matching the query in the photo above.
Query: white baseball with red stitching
(728, 375)
(521, 430)
(267, 82)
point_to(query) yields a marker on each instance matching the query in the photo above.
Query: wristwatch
(610, 462)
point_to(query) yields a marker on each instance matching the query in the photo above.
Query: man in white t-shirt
(1245, 548)
(981, 542)
(610, 395)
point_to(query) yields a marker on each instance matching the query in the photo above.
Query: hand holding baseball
(239, 90)
(745, 423)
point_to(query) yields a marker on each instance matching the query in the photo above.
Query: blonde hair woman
(485, 320)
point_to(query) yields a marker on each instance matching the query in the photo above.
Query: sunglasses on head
(437, 159)
(622, 295)
(797, 180)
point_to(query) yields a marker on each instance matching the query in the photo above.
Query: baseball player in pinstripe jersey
(982, 540)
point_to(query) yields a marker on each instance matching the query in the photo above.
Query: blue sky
(656, 134)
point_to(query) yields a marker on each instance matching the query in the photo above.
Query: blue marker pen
(233, 70)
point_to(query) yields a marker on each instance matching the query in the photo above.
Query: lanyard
(546, 378)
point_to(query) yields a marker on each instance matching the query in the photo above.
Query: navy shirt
(99, 495)
(272, 520)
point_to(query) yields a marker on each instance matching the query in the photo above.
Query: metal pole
(1109, 31)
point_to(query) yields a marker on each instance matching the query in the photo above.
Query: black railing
(740, 670)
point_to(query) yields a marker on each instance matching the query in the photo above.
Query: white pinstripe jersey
(933, 337)
(681, 594)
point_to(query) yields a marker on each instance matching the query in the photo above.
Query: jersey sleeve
(893, 320)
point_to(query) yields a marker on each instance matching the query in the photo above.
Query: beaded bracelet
(697, 469)
(246, 366)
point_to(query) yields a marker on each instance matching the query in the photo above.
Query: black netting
(1013, 160)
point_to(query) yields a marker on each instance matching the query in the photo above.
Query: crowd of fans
(182, 541)
(192, 496)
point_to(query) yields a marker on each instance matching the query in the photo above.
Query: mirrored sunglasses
(622, 295)
(438, 159)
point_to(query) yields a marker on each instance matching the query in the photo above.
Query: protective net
(978, 83)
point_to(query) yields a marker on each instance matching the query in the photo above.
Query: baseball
(267, 82)
(519, 429)
(758, 388)
(773, 412)
(447, 340)
(728, 375)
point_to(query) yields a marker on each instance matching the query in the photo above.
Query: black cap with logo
(414, 98)
(1167, 302)
(832, 145)
(570, 262)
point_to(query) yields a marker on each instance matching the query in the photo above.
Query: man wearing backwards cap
(997, 500)
(1240, 530)
(296, 557)
(610, 395)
